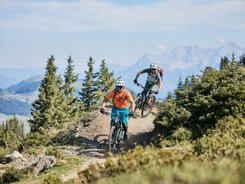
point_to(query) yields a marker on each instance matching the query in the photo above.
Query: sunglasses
(119, 87)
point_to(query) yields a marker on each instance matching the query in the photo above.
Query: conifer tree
(169, 96)
(105, 80)
(233, 59)
(48, 110)
(71, 101)
(89, 87)
(224, 63)
(242, 60)
(181, 91)
(194, 80)
(11, 134)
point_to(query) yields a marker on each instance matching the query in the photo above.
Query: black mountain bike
(144, 101)
(117, 132)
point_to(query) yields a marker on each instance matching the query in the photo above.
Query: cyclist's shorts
(120, 111)
(153, 87)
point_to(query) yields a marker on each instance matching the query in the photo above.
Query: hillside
(26, 86)
(10, 106)
(17, 99)
(5, 81)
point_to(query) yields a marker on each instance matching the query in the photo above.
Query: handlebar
(138, 84)
(118, 115)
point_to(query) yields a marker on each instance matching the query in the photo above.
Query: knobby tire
(146, 112)
(112, 140)
(138, 105)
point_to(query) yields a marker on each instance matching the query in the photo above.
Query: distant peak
(230, 45)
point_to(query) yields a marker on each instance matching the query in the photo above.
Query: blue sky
(119, 31)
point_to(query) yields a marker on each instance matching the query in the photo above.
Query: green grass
(61, 168)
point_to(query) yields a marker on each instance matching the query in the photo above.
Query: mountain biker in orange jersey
(154, 78)
(120, 96)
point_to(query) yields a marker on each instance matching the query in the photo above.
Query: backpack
(160, 70)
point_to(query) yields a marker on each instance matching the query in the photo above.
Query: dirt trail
(93, 138)
(95, 135)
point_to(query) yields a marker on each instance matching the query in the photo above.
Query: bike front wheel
(137, 104)
(148, 106)
(112, 142)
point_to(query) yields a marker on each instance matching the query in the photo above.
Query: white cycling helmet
(120, 82)
(154, 66)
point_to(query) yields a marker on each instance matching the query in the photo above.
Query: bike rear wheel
(147, 107)
(112, 143)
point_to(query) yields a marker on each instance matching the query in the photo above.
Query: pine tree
(48, 110)
(169, 96)
(105, 81)
(71, 101)
(11, 134)
(224, 63)
(233, 59)
(242, 60)
(89, 87)
(181, 92)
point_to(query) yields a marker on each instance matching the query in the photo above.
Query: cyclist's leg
(114, 110)
(149, 86)
(155, 87)
(125, 121)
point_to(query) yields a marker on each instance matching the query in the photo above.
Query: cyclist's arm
(131, 100)
(140, 72)
(160, 85)
(132, 106)
(160, 82)
(104, 102)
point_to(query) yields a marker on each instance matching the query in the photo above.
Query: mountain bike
(117, 132)
(144, 101)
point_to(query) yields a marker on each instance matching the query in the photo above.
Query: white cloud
(98, 15)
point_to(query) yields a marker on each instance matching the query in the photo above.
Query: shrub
(11, 134)
(3, 153)
(226, 140)
(52, 179)
(11, 175)
(182, 134)
(53, 151)
(37, 139)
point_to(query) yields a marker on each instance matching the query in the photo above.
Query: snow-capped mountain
(179, 62)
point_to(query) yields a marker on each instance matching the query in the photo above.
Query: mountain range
(19, 87)
(179, 63)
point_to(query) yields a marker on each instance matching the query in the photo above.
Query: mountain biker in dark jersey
(154, 79)
(120, 96)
